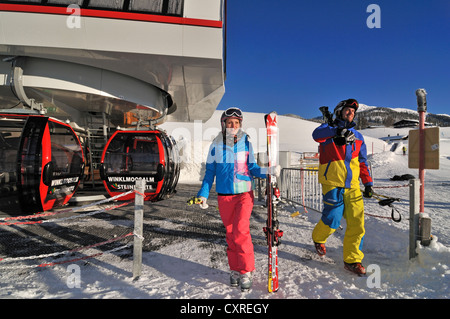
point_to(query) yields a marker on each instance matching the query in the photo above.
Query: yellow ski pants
(348, 203)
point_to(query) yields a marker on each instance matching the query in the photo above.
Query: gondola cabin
(41, 163)
(131, 155)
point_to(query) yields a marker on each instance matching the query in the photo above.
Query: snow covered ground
(188, 270)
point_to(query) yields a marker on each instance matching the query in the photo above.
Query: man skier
(342, 161)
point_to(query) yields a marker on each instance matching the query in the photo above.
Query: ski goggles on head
(351, 103)
(346, 103)
(233, 112)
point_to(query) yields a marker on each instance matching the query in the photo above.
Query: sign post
(421, 108)
(423, 154)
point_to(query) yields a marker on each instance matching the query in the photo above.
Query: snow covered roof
(408, 123)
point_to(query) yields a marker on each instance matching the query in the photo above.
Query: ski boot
(320, 248)
(234, 278)
(246, 281)
(356, 268)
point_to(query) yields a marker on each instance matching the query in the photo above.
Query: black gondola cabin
(131, 155)
(41, 163)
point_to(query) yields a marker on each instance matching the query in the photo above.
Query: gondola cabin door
(132, 155)
(42, 163)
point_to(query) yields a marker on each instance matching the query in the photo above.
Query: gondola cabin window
(132, 154)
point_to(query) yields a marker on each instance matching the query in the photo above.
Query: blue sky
(294, 56)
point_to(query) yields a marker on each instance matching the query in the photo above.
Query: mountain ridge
(368, 116)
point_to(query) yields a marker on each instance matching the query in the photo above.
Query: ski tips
(271, 114)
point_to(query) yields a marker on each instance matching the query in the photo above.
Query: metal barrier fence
(301, 186)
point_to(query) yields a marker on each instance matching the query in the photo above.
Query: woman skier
(232, 163)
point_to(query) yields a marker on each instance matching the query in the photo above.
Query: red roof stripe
(111, 15)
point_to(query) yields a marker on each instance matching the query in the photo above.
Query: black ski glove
(344, 136)
(368, 192)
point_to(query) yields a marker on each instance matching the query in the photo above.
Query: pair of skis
(272, 231)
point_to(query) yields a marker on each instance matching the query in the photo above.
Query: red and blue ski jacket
(342, 165)
(233, 165)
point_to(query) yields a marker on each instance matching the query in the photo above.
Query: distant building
(409, 123)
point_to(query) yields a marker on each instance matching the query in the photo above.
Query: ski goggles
(346, 103)
(233, 112)
(351, 103)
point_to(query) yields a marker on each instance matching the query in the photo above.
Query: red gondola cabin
(41, 163)
(131, 155)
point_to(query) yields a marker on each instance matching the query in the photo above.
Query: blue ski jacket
(233, 165)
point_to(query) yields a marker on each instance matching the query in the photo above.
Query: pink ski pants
(235, 211)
